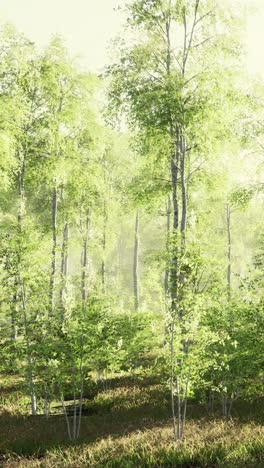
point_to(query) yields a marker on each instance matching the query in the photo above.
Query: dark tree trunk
(175, 156)
(175, 207)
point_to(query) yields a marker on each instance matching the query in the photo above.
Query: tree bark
(168, 233)
(21, 188)
(14, 312)
(31, 380)
(104, 247)
(184, 194)
(21, 293)
(64, 265)
(66, 417)
(85, 258)
(20, 216)
(175, 157)
(54, 248)
(136, 264)
(174, 260)
(229, 253)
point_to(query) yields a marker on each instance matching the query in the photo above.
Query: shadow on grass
(118, 412)
(34, 435)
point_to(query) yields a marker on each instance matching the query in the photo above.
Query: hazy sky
(89, 25)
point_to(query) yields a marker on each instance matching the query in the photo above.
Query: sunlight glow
(88, 27)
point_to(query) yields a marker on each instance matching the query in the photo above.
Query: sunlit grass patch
(214, 444)
(129, 425)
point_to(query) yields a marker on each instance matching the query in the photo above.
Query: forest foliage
(131, 212)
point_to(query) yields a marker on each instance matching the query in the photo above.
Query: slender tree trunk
(74, 415)
(64, 265)
(184, 415)
(168, 228)
(80, 406)
(185, 401)
(21, 189)
(229, 246)
(20, 216)
(14, 312)
(28, 352)
(231, 401)
(224, 405)
(211, 401)
(104, 246)
(54, 247)
(183, 223)
(32, 391)
(184, 194)
(179, 408)
(46, 401)
(119, 257)
(19, 282)
(172, 359)
(85, 258)
(66, 418)
(174, 260)
(178, 165)
(175, 158)
(178, 177)
(136, 263)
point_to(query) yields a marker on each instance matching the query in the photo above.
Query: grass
(128, 426)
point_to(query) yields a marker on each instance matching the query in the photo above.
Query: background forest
(132, 246)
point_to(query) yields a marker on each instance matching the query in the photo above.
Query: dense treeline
(140, 249)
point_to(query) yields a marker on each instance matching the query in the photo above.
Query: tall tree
(162, 85)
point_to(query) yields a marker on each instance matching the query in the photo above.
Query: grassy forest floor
(129, 425)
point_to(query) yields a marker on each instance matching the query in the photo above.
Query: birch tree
(162, 83)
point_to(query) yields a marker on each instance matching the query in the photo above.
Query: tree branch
(186, 51)
(203, 42)
(204, 16)
(193, 172)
